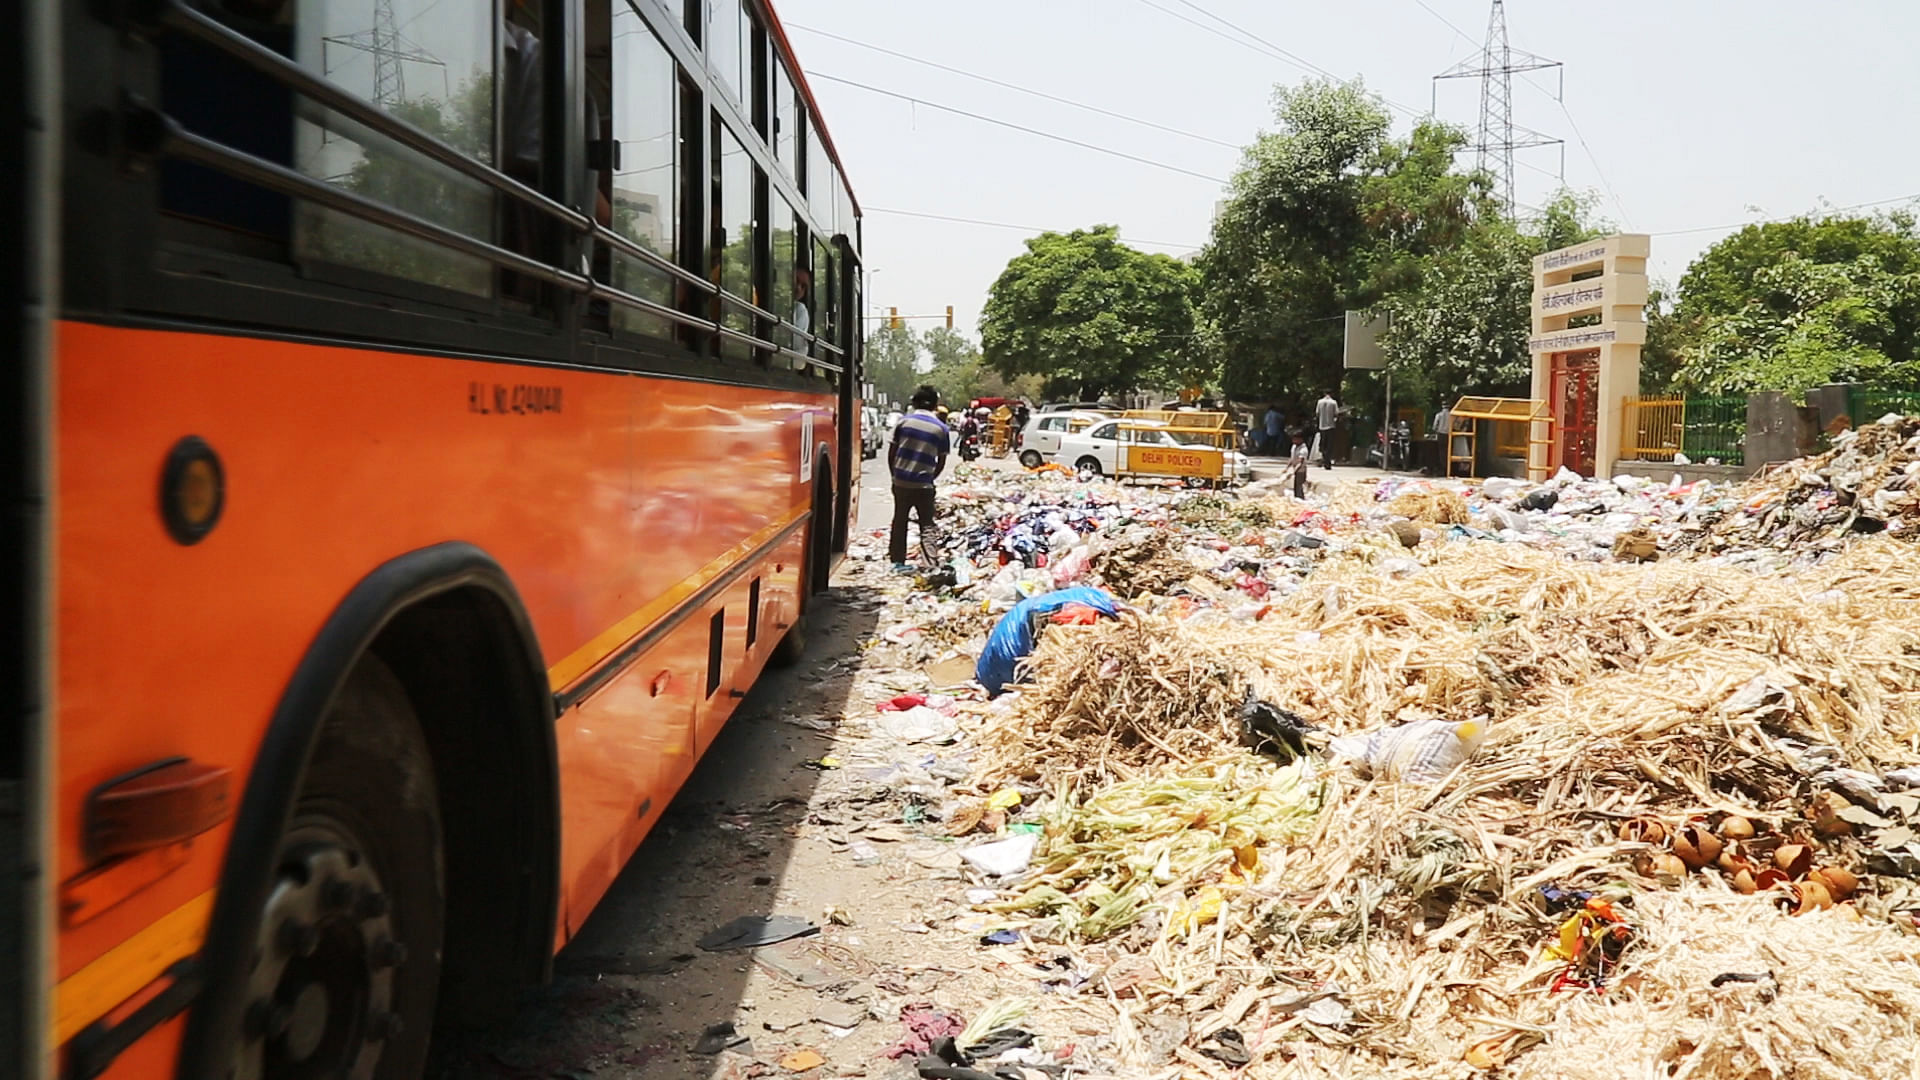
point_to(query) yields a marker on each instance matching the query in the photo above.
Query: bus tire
(349, 947)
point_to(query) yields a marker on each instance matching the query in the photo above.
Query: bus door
(852, 377)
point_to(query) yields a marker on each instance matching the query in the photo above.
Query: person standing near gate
(918, 454)
(1326, 414)
(1272, 421)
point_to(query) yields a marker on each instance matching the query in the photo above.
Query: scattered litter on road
(718, 1037)
(754, 931)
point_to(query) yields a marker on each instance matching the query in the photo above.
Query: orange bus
(430, 418)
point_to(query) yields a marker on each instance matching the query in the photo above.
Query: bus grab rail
(172, 139)
(190, 147)
(627, 247)
(165, 135)
(178, 16)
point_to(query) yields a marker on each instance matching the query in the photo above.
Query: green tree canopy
(1084, 309)
(1326, 213)
(1791, 305)
(893, 363)
(1460, 320)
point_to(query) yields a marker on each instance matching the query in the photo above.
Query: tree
(957, 367)
(1791, 305)
(1461, 323)
(1464, 325)
(1327, 213)
(893, 362)
(1085, 310)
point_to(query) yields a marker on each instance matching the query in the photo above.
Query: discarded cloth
(925, 1026)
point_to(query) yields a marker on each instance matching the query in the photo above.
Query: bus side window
(433, 66)
(215, 96)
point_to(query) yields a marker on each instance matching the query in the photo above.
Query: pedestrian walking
(1326, 414)
(918, 454)
(1298, 461)
(1273, 419)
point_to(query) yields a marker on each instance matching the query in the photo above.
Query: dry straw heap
(1344, 926)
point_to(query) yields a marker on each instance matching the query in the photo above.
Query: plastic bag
(1422, 752)
(1003, 858)
(1012, 637)
(1072, 568)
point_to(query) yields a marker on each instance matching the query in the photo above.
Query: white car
(1041, 439)
(872, 438)
(1097, 448)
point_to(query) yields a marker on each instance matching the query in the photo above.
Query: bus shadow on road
(632, 992)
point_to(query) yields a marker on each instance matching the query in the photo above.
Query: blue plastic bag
(1012, 637)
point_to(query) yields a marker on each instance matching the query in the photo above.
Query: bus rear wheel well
(488, 726)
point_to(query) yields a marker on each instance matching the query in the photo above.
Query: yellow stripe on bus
(584, 659)
(127, 968)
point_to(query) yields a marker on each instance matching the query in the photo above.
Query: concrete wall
(1779, 430)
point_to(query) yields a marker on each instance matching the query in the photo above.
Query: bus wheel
(1031, 459)
(347, 962)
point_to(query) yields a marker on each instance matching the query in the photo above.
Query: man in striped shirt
(918, 454)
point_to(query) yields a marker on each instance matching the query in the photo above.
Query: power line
(1468, 37)
(1017, 127)
(989, 80)
(1775, 221)
(1242, 42)
(1283, 53)
(1009, 225)
(1592, 158)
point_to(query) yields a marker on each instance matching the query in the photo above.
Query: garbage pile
(1864, 485)
(1573, 779)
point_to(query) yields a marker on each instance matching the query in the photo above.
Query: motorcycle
(969, 444)
(1392, 450)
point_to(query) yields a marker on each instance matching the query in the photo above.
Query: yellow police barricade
(1192, 426)
(1152, 451)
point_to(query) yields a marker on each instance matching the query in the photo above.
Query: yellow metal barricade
(1651, 427)
(1189, 461)
(1213, 429)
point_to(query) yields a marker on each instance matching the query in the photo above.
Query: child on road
(1298, 461)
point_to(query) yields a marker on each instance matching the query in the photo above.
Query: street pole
(1386, 448)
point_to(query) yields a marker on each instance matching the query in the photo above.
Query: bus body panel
(600, 494)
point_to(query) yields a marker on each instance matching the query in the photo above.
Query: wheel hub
(319, 1000)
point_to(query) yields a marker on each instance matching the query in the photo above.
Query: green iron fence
(1866, 404)
(1715, 427)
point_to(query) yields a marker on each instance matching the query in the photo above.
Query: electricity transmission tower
(1498, 136)
(390, 53)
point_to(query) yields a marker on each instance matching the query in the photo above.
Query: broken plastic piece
(755, 931)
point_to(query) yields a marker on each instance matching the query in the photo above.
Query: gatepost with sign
(1584, 373)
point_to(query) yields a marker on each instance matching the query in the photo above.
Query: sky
(1687, 117)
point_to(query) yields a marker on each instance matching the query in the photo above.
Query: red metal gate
(1575, 401)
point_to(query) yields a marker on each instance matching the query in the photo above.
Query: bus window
(785, 136)
(787, 301)
(645, 188)
(826, 291)
(733, 244)
(442, 82)
(216, 96)
(725, 56)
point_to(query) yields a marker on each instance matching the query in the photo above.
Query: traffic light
(893, 319)
(949, 316)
